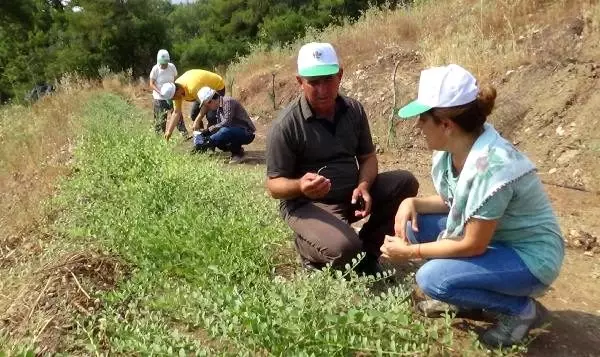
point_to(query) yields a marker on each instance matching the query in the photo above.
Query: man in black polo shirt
(321, 164)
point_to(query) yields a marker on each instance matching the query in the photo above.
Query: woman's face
(434, 133)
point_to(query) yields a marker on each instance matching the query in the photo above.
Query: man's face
(179, 93)
(212, 104)
(321, 91)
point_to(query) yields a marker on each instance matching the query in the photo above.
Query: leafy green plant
(202, 240)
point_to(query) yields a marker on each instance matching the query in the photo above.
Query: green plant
(202, 241)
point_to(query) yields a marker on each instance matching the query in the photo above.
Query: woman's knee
(431, 278)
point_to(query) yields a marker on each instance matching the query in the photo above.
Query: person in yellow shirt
(186, 88)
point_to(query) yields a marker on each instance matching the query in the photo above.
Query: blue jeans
(231, 139)
(498, 280)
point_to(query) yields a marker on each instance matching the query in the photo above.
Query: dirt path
(574, 299)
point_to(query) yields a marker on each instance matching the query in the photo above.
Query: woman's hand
(397, 249)
(406, 212)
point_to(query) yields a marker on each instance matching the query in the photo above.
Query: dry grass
(44, 280)
(38, 310)
(37, 142)
(487, 36)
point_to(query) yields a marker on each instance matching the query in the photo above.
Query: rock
(552, 170)
(540, 135)
(574, 233)
(576, 173)
(567, 156)
(588, 253)
(560, 131)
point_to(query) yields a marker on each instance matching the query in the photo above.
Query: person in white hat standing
(321, 164)
(490, 236)
(233, 127)
(163, 73)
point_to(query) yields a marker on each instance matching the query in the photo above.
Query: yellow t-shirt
(193, 80)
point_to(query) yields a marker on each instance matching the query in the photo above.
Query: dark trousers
(231, 139)
(161, 109)
(323, 231)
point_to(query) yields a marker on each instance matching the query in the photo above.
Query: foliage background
(44, 39)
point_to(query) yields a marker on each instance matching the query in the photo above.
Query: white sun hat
(205, 93)
(167, 90)
(442, 87)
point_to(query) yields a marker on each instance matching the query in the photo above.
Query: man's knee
(407, 183)
(337, 250)
(398, 183)
(432, 280)
(343, 251)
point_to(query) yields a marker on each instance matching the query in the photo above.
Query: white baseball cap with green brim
(162, 57)
(317, 59)
(442, 87)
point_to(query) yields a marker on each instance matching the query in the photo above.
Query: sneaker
(434, 308)
(511, 330)
(236, 159)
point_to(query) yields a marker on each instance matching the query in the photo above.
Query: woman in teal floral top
(490, 236)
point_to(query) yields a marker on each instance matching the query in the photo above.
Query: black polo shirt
(299, 142)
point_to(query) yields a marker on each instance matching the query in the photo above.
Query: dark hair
(215, 96)
(177, 86)
(470, 117)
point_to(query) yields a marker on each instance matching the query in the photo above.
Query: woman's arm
(410, 208)
(477, 237)
(430, 204)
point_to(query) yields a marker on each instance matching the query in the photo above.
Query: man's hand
(213, 129)
(167, 135)
(397, 249)
(361, 193)
(314, 186)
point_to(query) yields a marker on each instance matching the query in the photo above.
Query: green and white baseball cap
(442, 87)
(162, 57)
(317, 59)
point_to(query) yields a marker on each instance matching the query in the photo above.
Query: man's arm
(228, 115)
(172, 122)
(311, 185)
(368, 167)
(198, 124)
(284, 188)
(153, 86)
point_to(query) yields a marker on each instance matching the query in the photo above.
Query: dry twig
(38, 298)
(79, 285)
